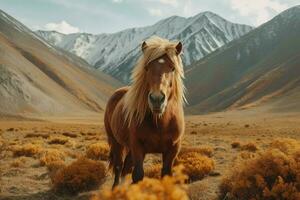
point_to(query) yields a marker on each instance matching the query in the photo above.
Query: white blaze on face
(161, 61)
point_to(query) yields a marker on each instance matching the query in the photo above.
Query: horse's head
(160, 79)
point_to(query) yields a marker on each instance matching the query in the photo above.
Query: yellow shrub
(28, 150)
(58, 140)
(171, 188)
(196, 166)
(205, 150)
(249, 147)
(81, 175)
(98, 151)
(269, 176)
(235, 144)
(52, 155)
(153, 171)
(285, 145)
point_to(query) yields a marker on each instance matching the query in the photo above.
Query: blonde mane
(135, 100)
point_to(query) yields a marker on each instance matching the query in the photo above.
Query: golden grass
(69, 134)
(58, 140)
(18, 162)
(196, 166)
(33, 135)
(204, 150)
(235, 144)
(29, 150)
(171, 188)
(249, 147)
(52, 155)
(194, 160)
(81, 175)
(274, 174)
(153, 171)
(98, 151)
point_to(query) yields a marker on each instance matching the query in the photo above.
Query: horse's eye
(161, 61)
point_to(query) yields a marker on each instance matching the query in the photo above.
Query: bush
(52, 155)
(249, 147)
(58, 140)
(194, 160)
(98, 151)
(81, 175)
(235, 145)
(196, 166)
(28, 150)
(205, 150)
(172, 188)
(274, 174)
(153, 171)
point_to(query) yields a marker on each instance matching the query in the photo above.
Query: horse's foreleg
(138, 156)
(168, 160)
(117, 163)
(128, 164)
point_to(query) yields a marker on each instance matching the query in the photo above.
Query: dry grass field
(66, 159)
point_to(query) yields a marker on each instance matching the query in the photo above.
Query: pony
(147, 117)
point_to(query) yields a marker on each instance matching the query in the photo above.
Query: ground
(23, 177)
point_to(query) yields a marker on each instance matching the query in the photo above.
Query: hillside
(262, 66)
(38, 79)
(116, 53)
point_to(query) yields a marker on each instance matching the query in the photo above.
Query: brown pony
(147, 117)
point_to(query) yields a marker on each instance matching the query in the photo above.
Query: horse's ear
(144, 46)
(178, 48)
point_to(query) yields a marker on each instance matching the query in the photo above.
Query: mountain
(39, 79)
(117, 53)
(260, 69)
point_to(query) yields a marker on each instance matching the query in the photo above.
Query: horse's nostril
(152, 98)
(157, 99)
(163, 96)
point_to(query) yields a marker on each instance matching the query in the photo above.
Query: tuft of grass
(204, 150)
(10, 129)
(52, 155)
(58, 140)
(153, 171)
(69, 134)
(33, 135)
(81, 175)
(29, 150)
(235, 144)
(98, 151)
(166, 188)
(249, 147)
(196, 166)
(18, 162)
(273, 174)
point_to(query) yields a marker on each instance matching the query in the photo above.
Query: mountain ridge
(116, 53)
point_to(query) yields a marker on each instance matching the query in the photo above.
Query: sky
(108, 16)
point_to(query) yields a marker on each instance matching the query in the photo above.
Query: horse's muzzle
(157, 102)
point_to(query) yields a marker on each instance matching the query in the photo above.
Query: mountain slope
(262, 66)
(37, 78)
(117, 53)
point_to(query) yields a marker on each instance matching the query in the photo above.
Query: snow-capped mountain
(116, 53)
(262, 68)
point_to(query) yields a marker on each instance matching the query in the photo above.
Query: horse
(147, 116)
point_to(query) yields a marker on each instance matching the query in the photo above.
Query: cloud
(155, 12)
(62, 27)
(173, 3)
(117, 1)
(261, 10)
